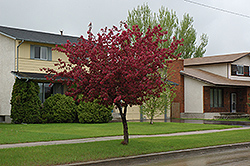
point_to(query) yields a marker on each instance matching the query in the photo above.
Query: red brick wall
(248, 100)
(174, 69)
(241, 94)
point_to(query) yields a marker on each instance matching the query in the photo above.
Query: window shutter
(50, 54)
(32, 52)
(233, 69)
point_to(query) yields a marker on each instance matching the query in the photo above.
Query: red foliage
(115, 65)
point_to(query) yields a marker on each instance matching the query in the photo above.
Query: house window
(240, 70)
(46, 91)
(216, 97)
(40, 52)
(246, 70)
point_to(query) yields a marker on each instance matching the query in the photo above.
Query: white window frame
(249, 70)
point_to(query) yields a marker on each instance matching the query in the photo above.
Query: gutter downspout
(17, 69)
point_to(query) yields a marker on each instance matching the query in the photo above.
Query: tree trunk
(151, 119)
(124, 122)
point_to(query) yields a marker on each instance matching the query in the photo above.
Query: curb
(132, 160)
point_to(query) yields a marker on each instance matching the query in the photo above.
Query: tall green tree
(144, 18)
(25, 103)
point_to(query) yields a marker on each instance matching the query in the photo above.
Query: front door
(233, 102)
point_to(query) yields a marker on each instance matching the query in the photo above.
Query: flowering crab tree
(117, 66)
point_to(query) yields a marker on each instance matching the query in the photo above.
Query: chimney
(61, 31)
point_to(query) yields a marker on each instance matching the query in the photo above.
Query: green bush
(25, 103)
(92, 112)
(59, 109)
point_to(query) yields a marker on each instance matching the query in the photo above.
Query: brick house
(216, 84)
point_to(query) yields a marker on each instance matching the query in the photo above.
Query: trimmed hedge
(59, 109)
(92, 112)
(25, 103)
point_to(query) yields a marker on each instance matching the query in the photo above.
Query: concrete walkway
(84, 140)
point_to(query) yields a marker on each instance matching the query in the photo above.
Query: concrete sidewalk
(84, 140)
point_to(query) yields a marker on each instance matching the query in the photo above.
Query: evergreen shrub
(92, 112)
(59, 108)
(25, 103)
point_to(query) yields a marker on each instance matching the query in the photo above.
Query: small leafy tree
(184, 29)
(117, 66)
(25, 103)
(156, 106)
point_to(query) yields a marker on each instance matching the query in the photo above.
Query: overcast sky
(228, 33)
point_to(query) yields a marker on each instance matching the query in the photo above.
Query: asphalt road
(233, 157)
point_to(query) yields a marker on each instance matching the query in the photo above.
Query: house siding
(219, 69)
(26, 64)
(7, 54)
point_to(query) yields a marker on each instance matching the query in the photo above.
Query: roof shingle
(35, 36)
(229, 58)
(211, 78)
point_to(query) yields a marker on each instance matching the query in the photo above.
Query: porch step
(232, 115)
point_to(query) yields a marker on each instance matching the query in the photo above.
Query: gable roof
(211, 78)
(35, 36)
(229, 58)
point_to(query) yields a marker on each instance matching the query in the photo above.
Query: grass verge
(63, 154)
(17, 133)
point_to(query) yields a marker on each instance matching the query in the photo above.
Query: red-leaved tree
(118, 66)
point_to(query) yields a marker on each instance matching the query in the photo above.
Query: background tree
(156, 106)
(144, 18)
(117, 66)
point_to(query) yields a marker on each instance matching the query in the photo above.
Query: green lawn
(62, 154)
(16, 133)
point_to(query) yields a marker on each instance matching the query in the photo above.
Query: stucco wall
(243, 61)
(219, 69)
(193, 95)
(7, 53)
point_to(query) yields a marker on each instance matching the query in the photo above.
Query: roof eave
(27, 78)
(200, 64)
(191, 76)
(218, 62)
(208, 82)
(9, 36)
(37, 41)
